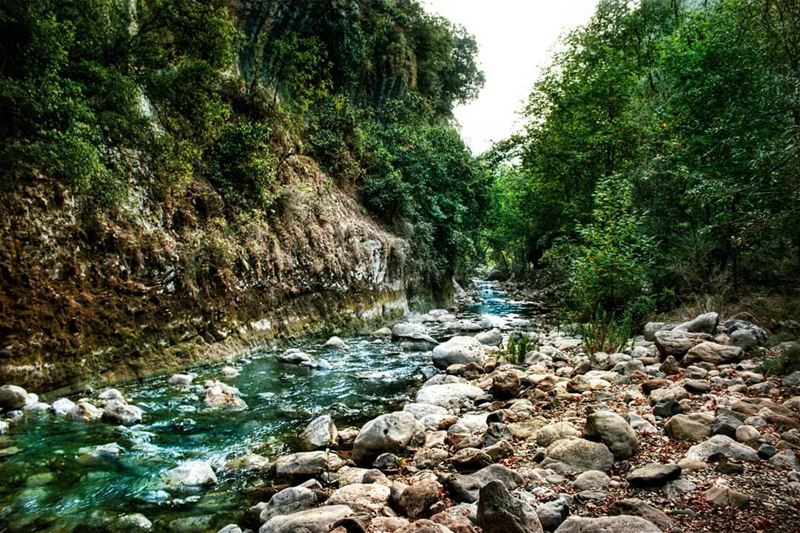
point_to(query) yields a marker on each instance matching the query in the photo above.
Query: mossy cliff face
(154, 286)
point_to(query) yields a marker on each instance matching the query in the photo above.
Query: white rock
(190, 474)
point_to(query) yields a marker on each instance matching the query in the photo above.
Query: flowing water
(53, 479)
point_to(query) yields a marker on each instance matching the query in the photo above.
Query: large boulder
(581, 455)
(721, 446)
(607, 524)
(318, 520)
(499, 512)
(691, 427)
(320, 433)
(190, 474)
(613, 431)
(306, 465)
(493, 337)
(677, 343)
(12, 397)
(705, 323)
(711, 352)
(413, 336)
(466, 488)
(392, 432)
(448, 395)
(224, 397)
(459, 350)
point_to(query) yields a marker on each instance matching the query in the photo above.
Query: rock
(711, 352)
(416, 334)
(465, 488)
(231, 528)
(499, 512)
(581, 455)
(725, 423)
(121, 412)
(505, 385)
(111, 394)
(289, 500)
(318, 520)
(651, 328)
(670, 366)
(423, 526)
(468, 460)
(721, 446)
(722, 495)
(294, 356)
(449, 395)
(792, 380)
(705, 323)
(555, 431)
(3, 427)
(190, 474)
(392, 432)
(691, 427)
(65, 407)
(459, 518)
(551, 514)
(423, 410)
(459, 350)
(607, 524)
(12, 397)
(382, 333)
(130, 523)
(230, 373)
(591, 480)
(697, 386)
(745, 334)
(785, 460)
(319, 434)
(224, 397)
(336, 343)
(640, 425)
(86, 412)
(492, 337)
(613, 431)
(361, 497)
(667, 408)
(181, 380)
(678, 487)
(249, 462)
(637, 507)
(307, 464)
(745, 433)
(677, 343)
(418, 498)
(388, 524)
(653, 475)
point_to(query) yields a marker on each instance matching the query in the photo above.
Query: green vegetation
(111, 97)
(782, 364)
(659, 160)
(518, 347)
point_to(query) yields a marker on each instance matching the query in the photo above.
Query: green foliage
(611, 269)
(605, 332)
(659, 153)
(518, 347)
(242, 166)
(782, 364)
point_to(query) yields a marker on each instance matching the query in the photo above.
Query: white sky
(515, 40)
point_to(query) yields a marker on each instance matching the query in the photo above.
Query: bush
(605, 333)
(785, 362)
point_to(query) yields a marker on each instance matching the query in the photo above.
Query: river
(53, 478)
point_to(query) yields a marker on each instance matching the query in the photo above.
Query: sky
(515, 40)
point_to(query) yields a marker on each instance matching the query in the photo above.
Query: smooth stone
(613, 431)
(459, 350)
(581, 454)
(653, 475)
(607, 524)
(448, 395)
(361, 497)
(721, 446)
(335, 342)
(637, 507)
(466, 488)
(590, 480)
(318, 520)
(307, 464)
(12, 397)
(320, 433)
(121, 412)
(190, 474)
(392, 432)
(722, 495)
(691, 427)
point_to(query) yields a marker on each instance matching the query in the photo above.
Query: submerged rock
(190, 474)
(336, 342)
(181, 380)
(222, 396)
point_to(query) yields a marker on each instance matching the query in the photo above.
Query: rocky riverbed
(679, 431)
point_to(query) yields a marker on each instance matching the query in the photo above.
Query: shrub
(785, 362)
(605, 333)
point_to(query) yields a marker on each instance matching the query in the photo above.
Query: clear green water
(49, 485)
